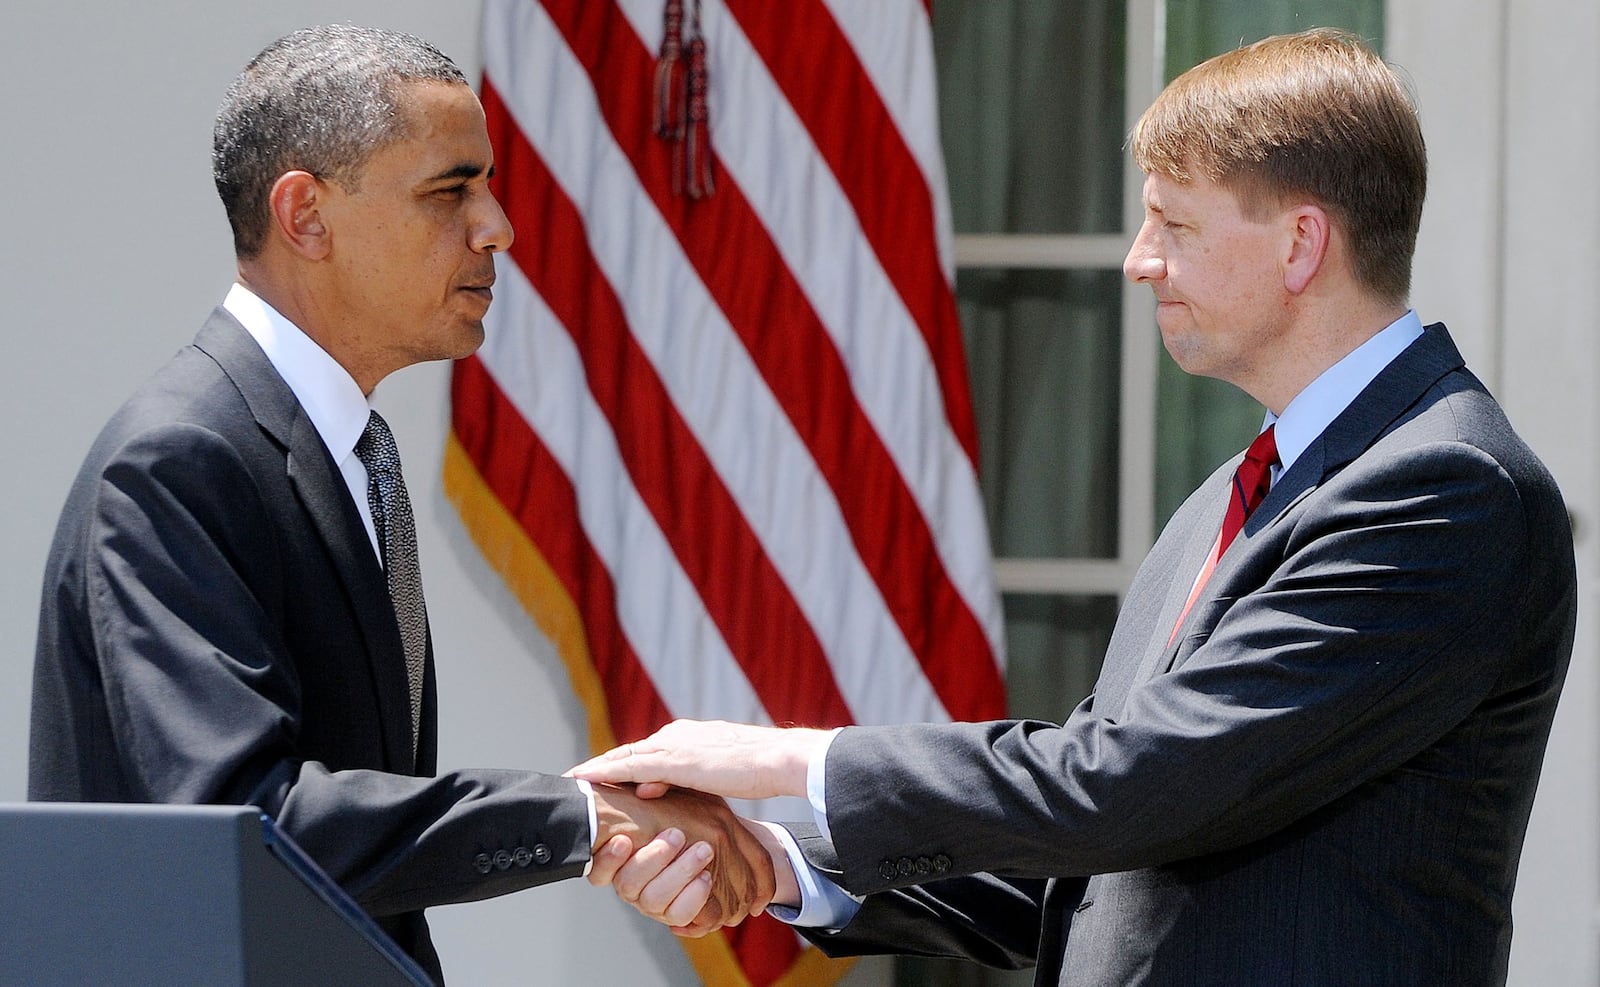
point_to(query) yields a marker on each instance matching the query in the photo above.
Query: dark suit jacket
(1325, 779)
(215, 628)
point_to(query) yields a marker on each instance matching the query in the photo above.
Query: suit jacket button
(541, 853)
(482, 863)
(502, 859)
(886, 870)
(924, 865)
(905, 867)
(941, 863)
(522, 857)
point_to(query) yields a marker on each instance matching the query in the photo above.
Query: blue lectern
(169, 894)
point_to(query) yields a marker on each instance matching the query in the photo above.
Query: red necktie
(1251, 481)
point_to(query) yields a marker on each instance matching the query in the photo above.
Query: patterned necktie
(397, 540)
(1251, 481)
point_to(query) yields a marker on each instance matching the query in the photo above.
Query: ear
(296, 204)
(1309, 235)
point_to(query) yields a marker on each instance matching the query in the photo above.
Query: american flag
(719, 439)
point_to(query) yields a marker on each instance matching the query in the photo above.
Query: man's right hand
(741, 879)
(672, 885)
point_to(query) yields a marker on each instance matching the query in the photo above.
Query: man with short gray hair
(232, 608)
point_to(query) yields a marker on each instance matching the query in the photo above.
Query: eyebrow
(463, 170)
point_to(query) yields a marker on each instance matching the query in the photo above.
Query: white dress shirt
(825, 904)
(330, 396)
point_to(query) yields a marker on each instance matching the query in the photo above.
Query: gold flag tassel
(697, 142)
(670, 82)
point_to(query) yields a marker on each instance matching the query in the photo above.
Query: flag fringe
(511, 553)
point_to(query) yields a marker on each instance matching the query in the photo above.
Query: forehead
(444, 129)
(1199, 195)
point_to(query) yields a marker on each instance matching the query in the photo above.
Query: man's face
(413, 244)
(1217, 276)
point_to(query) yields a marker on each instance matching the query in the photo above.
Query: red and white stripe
(735, 433)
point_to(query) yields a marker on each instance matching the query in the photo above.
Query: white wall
(1510, 101)
(114, 248)
(1550, 356)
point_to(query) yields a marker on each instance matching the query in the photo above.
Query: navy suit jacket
(1325, 778)
(215, 628)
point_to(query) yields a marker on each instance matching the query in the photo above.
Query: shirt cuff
(823, 904)
(817, 784)
(594, 820)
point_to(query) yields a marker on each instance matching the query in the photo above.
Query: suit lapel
(325, 498)
(1382, 403)
(1183, 568)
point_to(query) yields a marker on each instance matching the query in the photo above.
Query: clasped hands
(671, 847)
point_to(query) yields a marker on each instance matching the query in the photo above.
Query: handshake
(671, 847)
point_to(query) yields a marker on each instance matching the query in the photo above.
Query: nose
(490, 231)
(1144, 261)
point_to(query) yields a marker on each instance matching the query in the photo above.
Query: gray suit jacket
(215, 628)
(1325, 779)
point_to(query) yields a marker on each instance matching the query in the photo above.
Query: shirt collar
(330, 396)
(1315, 407)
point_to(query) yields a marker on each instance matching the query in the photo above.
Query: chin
(468, 341)
(1184, 352)
(458, 345)
(1172, 342)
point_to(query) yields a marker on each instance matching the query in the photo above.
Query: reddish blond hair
(1316, 115)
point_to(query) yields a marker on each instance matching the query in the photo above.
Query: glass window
(1198, 29)
(1031, 108)
(1043, 355)
(1056, 645)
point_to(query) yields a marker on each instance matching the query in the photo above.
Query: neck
(295, 296)
(1319, 339)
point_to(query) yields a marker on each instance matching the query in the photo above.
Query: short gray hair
(320, 100)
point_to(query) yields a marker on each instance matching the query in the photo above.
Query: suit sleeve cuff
(823, 904)
(817, 784)
(594, 821)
